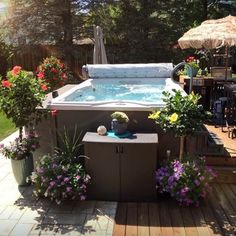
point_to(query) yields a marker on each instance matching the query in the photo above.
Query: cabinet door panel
(103, 167)
(138, 165)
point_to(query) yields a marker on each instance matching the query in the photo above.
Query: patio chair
(230, 120)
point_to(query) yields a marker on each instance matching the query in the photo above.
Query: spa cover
(151, 70)
(211, 34)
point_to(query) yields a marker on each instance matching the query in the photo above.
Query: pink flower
(16, 70)
(64, 76)
(6, 83)
(66, 180)
(78, 177)
(53, 70)
(40, 75)
(68, 189)
(44, 87)
(52, 183)
(82, 197)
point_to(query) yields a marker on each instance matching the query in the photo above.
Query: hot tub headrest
(151, 70)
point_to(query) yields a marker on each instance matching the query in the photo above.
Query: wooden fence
(30, 56)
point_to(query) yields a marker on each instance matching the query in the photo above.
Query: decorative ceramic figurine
(101, 130)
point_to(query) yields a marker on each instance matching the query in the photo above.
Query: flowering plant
(53, 72)
(186, 181)
(62, 176)
(59, 180)
(21, 94)
(181, 115)
(193, 62)
(19, 149)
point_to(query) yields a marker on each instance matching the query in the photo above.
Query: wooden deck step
(220, 161)
(225, 174)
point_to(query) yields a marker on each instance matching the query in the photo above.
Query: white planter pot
(22, 169)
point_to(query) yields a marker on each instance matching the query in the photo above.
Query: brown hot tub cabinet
(121, 169)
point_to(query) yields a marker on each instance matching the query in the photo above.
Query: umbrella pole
(226, 62)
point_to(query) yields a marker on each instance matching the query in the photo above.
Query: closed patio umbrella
(99, 53)
(212, 34)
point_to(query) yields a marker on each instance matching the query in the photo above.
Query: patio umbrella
(99, 53)
(212, 34)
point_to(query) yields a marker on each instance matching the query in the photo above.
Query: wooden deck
(215, 216)
(229, 143)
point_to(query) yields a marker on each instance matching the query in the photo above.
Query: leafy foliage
(61, 176)
(21, 95)
(20, 149)
(121, 117)
(53, 72)
(182, 114)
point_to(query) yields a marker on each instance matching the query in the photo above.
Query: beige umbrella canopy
(211, 34)
(99, 53)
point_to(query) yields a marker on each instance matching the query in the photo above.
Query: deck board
(132, 220)
(216, 216)
(143, 224)
(154, 219)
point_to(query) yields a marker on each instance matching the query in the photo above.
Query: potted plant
(61, 176)
(53, 72)
(182, 115)
(185, 179)
(119, 122)
(194, 63)
(20, 153)
(21, 96)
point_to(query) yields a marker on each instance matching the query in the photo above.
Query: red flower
(54, 112)
(53, 70)
(64, 76)
(40, 75)
(16, 70)
(44, 87)
(6, 83)
(54, 78)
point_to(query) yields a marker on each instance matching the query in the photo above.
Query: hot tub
(135, 87)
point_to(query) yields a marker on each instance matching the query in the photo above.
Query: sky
(3, 7)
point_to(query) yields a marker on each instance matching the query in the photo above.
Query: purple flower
(171, 180)
(68, 189)
(54, 165)
(59, 177)
(82, 197)
(66, 180)
(78, 177)
(202, 178)
(52, 183)
(197, 182)
(40, 170)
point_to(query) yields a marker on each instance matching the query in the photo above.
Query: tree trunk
(21, 133)
(181, 148)
(68, 34)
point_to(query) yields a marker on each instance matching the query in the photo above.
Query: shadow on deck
(215, 216)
